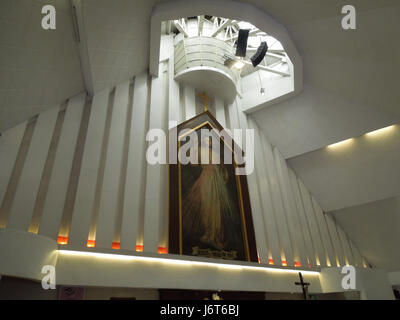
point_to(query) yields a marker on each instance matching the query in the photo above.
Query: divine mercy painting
(212, 221)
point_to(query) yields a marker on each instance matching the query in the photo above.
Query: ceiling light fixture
(233, 63)
(341, 143)
(379, 131)
(238, 65)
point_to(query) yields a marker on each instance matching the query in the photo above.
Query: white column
(10, 142)
(85, 195)
(24, 201)
(315, 235)
(173, 96)
(164, 222)
(302, 219)
(254, 192)
(346, 245)
(356, 254)
(265, 197)
(135, 177)
(58, 184)
(290, 210)
(233, 115)
(335, 239)
(277, 203)
(112, 171)
(190, 101)
(220, 111)
(152, 209)
(319, 214)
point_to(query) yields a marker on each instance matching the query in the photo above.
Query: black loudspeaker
(241, 43)
(260, 54)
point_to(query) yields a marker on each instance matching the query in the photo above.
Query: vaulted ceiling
(350, 88)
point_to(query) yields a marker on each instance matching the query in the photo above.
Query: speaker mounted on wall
(241, 43)
(260, 54)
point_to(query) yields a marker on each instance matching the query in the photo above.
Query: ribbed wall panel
(346, 246)
(281, 223)
(28, 186)
(189, 101)
(335, 240)
(58, 184)
(10, 142)
(85, 197)
(220, 111)
(109, 205)
(135, 178)
(266, 200)
(119, 198)
(291, 210)
(314, 230)
(325, 236)
(153, 197)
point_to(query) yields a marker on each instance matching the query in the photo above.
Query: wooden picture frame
(190, 243)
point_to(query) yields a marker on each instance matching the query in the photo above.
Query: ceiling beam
(284, 74)
(251, 33)
(221, 27)
(200, 23)
(268, 54)
(169, 27)
(81, 38)
(181, 28)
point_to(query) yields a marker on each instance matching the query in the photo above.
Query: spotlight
(238, 65)
(260, 54)
(233, 63)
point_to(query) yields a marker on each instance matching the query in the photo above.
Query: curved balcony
(199, 61)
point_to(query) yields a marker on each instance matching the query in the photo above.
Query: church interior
(309, 85)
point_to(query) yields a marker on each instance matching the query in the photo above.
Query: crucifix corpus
(304, 286)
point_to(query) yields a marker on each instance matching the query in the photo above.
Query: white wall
(373, 284)
(24, 254)
(99, 196)
(394, 278)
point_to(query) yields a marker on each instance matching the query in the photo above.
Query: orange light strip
(91, 243)
(116, 245)
(162, 250)
(62, 240)
(297, 264)
(271, 261)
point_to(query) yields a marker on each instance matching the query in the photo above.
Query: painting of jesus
(209, 204)
(212, 224)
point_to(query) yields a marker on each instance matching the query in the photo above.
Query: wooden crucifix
(205, 98)
(304, 286)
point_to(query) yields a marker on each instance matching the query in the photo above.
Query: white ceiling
(38, 68)
(118, 36)
(363, 170)
(374, 227)
(350, 77)
(316, 118)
